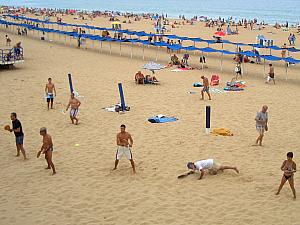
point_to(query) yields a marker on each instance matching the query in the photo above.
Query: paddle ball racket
(185, 175)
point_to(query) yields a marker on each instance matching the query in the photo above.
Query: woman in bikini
(289, 168)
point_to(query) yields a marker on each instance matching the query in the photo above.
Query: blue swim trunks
(19, 140)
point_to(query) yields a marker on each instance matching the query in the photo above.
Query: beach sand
(86, 191)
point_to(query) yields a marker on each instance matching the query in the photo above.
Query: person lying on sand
(209, 165)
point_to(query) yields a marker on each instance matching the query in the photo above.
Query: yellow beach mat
(222, 131)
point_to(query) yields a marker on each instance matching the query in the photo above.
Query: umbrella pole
(120, 50)
(110, 48)
(222, 58)
(202, 60)
(131, 50)
(101, 46)
(156, 54)
(222, 62)
(143, 52)
(264, 68)
(286, 71)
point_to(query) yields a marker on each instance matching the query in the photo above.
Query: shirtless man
(47, 149)
(289, 168)
(283, 51)
(271, 74)
(74, 103)
(209, 164)
(205, 88)
(139, 78)
(49, 90)
(124, 142)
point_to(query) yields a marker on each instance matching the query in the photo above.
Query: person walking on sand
(8, 40)
(210, 165)
(74, 103)
(50, 91)
(261, 124)
(47, 149)
(289, 168)
(205, 88)
(124, 142)
(271, 74)
(18, 131)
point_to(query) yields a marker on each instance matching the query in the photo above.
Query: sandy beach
(85, 190)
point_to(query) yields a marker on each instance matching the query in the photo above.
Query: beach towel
(216, 91)
(222, 132)
(233, 89)
(215, 80)
(161, 119)
(179, 70)
(198, 84)
(116, 108)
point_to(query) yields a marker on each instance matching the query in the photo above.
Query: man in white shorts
(124, 142)
(208, 164)
(74, 103)
(261, 124)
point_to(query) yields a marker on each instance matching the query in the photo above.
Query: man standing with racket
(74, 103)
(50, 91)
(124, 142)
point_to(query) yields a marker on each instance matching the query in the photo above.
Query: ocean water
(270, 11)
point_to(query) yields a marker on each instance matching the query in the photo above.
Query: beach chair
(215, 80)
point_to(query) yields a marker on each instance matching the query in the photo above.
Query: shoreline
(173, 16)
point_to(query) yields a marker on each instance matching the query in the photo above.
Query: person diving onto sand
(209, 165)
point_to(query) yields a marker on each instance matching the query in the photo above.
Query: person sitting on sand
(47, 149)
(139, 78)
(150, 80)
(289, 168)
(175, 60)
(74, 103)
(209, 165)
(205, 88)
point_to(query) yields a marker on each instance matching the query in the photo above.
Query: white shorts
(122, 150)
(73, 112)
(270, 78)
(216, 165)
(260, 129)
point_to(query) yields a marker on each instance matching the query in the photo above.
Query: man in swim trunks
(289, 168)
(18, 131)
(208, 164)
(261, 124)
(74, 103)
(124, 142)
(271, 74)
(47, 149)
(205, 88)
(50, 90)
